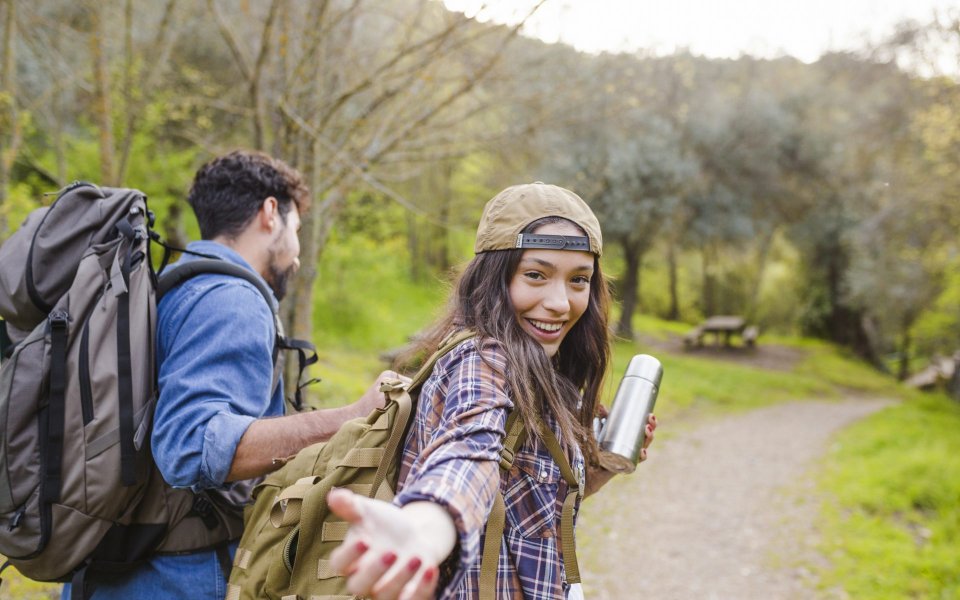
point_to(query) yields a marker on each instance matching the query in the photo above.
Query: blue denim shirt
(215, 337)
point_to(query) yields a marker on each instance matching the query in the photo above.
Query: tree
(642, 184)
(10, 123)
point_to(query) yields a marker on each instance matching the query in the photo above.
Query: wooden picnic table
(726, 325)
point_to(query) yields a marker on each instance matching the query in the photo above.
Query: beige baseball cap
(510, 211)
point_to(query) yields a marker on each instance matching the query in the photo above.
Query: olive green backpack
(290, 532)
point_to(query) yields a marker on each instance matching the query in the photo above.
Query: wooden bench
(749, 335)
(694, 337)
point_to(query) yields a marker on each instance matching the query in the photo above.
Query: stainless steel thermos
(625, 428)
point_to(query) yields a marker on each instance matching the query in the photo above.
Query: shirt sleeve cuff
(220, 440)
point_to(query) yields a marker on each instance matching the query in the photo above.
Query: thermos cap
(646, 367)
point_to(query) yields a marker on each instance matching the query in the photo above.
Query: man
(218, 417)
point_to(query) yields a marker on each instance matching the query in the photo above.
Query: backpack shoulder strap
(516, 433)
(180, 272)
(568, 545)
(449, 343)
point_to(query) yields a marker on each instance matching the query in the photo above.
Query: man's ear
(268, 213)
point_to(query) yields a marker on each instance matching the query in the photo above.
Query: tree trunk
(442, 237)
(953, 386)
(673, 314)
(57, 110)
(315, 229)
(173, 228)
(763, 254)
(296, 310)
(102, 102)
(9, 120)
(413, 247)
(708, 298)
(630, 288)
(903, 366)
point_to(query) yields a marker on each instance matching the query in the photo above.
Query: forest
(818, 199)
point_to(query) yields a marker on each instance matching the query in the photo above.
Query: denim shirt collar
(222, 252)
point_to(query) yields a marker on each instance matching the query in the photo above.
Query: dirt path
(722, 510)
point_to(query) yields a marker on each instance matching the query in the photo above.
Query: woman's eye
(581, 280)
(534, 275)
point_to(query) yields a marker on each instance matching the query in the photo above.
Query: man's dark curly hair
(228, 191)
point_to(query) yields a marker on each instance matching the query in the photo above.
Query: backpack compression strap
(182, 271)
(516, 434)
(568, 544)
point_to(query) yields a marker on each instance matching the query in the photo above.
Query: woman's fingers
(651, 427)
(367, 572)
(347, 554)
(401, 579)
(422, 586)
(648, 438)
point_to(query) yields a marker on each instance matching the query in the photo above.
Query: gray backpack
(79, 493)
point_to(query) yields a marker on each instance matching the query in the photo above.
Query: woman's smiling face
(550, 289)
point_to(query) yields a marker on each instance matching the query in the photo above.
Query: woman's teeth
(550, 327)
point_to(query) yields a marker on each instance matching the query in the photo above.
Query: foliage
(363, 296)
(894, 481)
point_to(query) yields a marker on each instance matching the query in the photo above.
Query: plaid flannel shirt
(451, 456)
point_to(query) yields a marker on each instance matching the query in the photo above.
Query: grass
(892, 524)
(17, 587)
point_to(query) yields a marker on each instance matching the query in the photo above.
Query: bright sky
(714, 28)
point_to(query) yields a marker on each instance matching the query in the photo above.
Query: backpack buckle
(392, 385)
(203, 508)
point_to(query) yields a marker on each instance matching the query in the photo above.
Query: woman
(537, 301)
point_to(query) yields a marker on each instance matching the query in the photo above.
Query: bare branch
(434, 41)
(230, 39)
(161, 45)
(259, 121)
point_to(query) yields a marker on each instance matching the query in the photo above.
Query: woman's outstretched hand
(391, 553)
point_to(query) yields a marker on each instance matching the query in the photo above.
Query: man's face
(284, 253)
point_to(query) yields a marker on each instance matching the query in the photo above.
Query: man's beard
(278, 278)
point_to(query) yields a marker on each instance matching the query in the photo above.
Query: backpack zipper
(86, 392)
(290, 549)
(16, 518)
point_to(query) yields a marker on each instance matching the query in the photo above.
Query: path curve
(724, 510)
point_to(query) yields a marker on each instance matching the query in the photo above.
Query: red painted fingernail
(389, 558)
(361, 547)
(414, 565)
(429, 574)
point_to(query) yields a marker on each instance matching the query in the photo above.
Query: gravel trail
(722, 510)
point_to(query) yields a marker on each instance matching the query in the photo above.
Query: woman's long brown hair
(569, 384)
